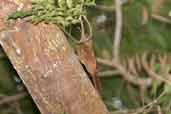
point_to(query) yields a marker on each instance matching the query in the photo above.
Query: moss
(62, 12)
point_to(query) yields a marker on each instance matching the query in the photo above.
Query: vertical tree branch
(118, 30)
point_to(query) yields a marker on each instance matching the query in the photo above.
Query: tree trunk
(47, 65)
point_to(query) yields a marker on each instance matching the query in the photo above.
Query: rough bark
(48, 66)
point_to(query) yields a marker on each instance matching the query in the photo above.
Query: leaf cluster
(63, 12)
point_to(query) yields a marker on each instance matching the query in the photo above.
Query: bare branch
(118, 30)
(108, 73)
(161, 18)
(126, 74)
(151, 72)
(9, 99)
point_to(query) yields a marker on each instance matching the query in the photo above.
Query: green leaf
(62, 12)
(69, 3)
(167, 89)
(155, 87)
(62, 3)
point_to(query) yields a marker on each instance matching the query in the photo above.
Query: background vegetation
(145, 34)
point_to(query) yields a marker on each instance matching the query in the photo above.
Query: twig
(161, 18)
(129, 75)
(151, 103)
(152, 73)
(126, 74)
(68, 34)
(105, 62)
(84, 36)
(108, 73)
(118, 30)
(8, 99)
(89, 27)
(159, 110)
(15, 105)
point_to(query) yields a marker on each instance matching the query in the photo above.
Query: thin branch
(118, 30)
(8, 99)
(159, 109)
(151, 71)
(126, 74)
(15, 105)
(108, 73)
(161, 18)
(85, 37)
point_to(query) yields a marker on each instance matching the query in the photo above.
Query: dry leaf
(87, 57)
(145, 15)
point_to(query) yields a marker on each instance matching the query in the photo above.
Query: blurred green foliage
(154, 36)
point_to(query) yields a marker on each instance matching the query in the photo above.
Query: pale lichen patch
(18, 51)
